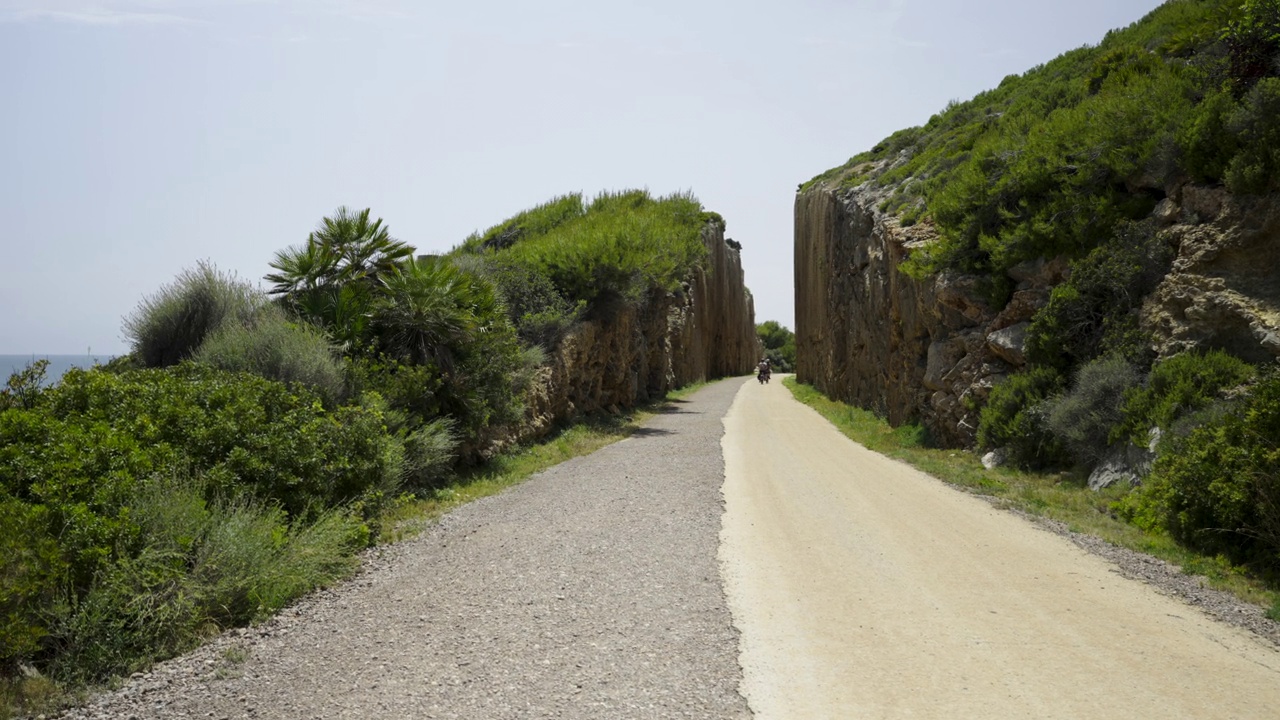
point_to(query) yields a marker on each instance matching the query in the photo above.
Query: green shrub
(1206, 143)
(1082, 419)
(31, 565)
(618, 247)
(24, 387)
(96, 433)
(192, 565)
(540, 314)
(169, 326)
(1093, 313)
(429, 452)
(1253, 43)
(1217, 488)
(779, 345)
(1255, 169)
(1013, 418)
(106, 563)
(447, 329)
(1179, 386)
(273, 347)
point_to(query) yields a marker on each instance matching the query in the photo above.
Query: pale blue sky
(139, 136)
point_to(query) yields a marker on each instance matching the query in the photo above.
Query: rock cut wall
(930, 350)
(704, 330)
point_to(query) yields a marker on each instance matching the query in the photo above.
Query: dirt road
(865, 589)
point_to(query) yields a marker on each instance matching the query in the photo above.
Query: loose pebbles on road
(592, 590)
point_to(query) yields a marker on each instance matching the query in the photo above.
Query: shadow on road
(650, 432)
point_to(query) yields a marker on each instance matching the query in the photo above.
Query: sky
(139, 137)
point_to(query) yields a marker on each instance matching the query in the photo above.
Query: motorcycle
(763, 376)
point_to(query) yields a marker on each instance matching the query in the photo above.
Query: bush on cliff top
(617, 247)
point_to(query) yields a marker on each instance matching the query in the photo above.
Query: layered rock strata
(704, 330)
(930, 350)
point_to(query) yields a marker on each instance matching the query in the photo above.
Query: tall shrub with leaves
(1083, 419)
(1178, 387)
(169, 326)
(1217, 488)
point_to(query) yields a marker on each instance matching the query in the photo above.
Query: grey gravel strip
(590, 591)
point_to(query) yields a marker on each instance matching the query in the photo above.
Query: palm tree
(363, 249)
(331, 279)
(430, 307)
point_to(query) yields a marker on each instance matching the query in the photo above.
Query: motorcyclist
(763, 370)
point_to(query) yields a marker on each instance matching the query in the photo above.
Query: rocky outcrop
(704, 330)
(1224, 289)
(870, 335)
(931, 349)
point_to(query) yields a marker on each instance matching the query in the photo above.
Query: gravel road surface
(865, 589)
(590, 591)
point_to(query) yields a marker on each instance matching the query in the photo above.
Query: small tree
(779, 345)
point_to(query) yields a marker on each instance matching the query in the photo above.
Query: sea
(58, 364)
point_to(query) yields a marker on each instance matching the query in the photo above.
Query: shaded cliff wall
(704, 330)
(930, 350)
(865, 332)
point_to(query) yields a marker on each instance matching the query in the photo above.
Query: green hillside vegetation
(615, 248)
(1069, 159)
(253, 442)
(1054, 160)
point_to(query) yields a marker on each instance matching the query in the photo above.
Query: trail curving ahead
(863, 588)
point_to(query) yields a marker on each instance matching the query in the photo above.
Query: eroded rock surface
(704, 330)
(930, 350)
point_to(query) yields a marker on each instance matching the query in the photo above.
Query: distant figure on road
(763, 368)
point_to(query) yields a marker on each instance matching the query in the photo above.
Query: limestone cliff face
(931, 350)
(1224, 289)
(702, 331)
(871, 336)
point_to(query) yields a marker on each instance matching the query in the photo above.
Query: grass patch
(1064, 497)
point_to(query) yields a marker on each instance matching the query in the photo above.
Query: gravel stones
(592, 590)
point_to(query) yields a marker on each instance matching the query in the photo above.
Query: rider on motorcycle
(764, 370)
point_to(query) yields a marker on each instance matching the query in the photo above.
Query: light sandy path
(865, 589)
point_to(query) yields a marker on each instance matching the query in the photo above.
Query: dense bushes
(1217, 487)
(91, 579)
(169, 326)
(617, 247)
(1014, 418)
